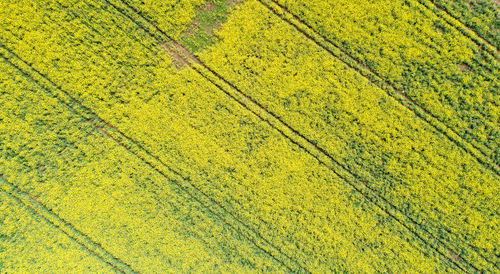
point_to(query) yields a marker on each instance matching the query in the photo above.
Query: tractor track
(463, 28)
(297, 138)
(310, 33)
(288, 132)
(60, 224)
(157, 165)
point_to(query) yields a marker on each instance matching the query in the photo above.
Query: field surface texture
(249, 136)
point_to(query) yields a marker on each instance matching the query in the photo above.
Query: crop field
(249, 136)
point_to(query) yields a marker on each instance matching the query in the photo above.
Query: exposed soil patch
(208, 7)
(465, 67)
(233, 3)
(178, 61)
(471, 6)
(209, 18)
(192, 29)
(185, 54)
(200, 33)
(454, 256)
(180, 55)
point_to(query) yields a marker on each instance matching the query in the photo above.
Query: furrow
(38, 208)
(288, 132)
(462, 28)
(333, 49)
(152, 161)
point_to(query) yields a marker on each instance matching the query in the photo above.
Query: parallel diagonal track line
(88, 24)
(337, 52)
(372, 76)
(53, 219)
(456, 23)
(293, 135)
(154, 162)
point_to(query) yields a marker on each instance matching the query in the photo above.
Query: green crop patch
(209, 18)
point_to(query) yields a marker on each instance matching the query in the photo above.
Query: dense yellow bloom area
(402, 157)
(204, 185)
(412, 48)
(106, 193)
(30, 244)
(171, 16)
(268, 183)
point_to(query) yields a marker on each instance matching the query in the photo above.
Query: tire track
(463, 28)
(376, 79)
(333, 49)
(53, 219)
(309, 32)
(154, 162)
(294, 136)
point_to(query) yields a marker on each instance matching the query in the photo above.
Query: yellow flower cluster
(201, 184)
(403, 158)
(420, 53)
(171, 16)
(32, 245)
(106, 193)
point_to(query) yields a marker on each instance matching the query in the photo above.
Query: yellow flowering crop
(28, 243)
(154, 168)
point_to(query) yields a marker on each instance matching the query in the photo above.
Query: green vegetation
(396, 153)
(22, 246)
(410, 47)
(172, 16)
(209, 18)
(104, 191)
(480, 15)
(249, 147)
